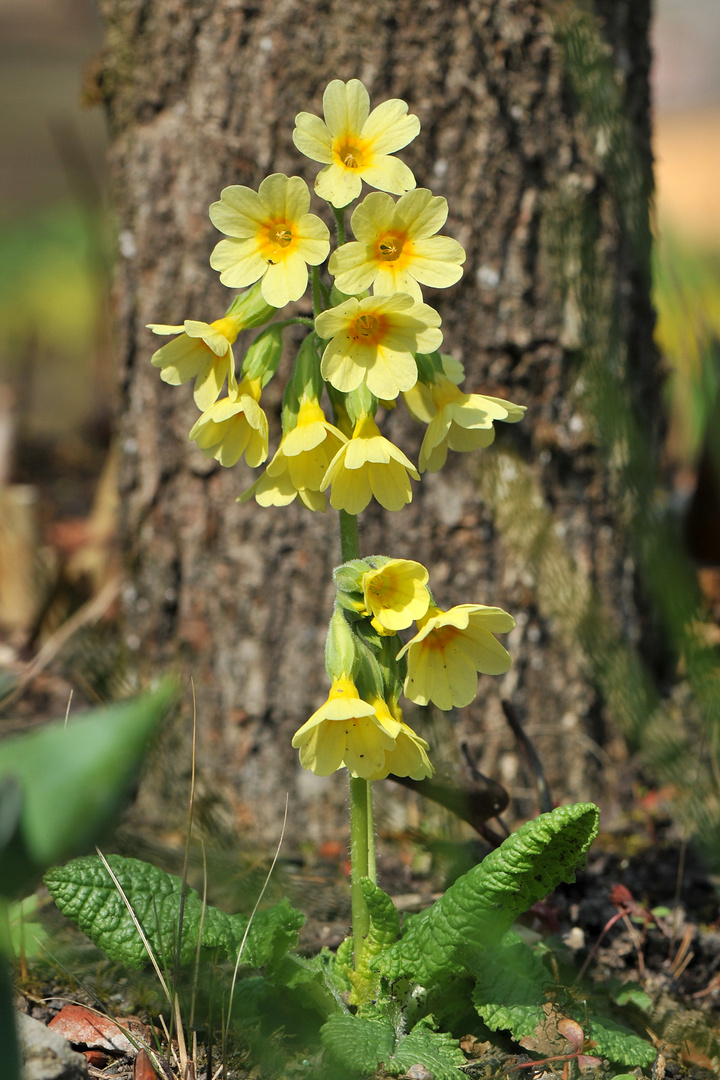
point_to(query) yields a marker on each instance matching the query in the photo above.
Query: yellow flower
(409, 756)
(346, 731)
(450, 648)
(354, 144)
(374, 340)
(300, 462)
(396, 248)
(396, 594)
(234, 426)
(367, 465)
(203, 352)
(456, 421)
(273, 237)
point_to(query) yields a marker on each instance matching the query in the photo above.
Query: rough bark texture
(203, 93)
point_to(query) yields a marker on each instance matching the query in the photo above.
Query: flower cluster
(372, 337)
(361, 726)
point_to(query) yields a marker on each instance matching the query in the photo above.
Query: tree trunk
(535, 127)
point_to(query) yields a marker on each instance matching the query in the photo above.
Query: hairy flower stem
(340, 225)
(362, 832)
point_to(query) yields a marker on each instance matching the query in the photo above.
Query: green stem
(317, 294)
(349, 539)
(360, 826)
(362, 831)
(340, 224)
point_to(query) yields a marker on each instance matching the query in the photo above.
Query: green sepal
(340, 648)
(263, 356)
(383, 932)
(251, 307)
(369, 678)
(481, 906)
(429, 365)
(348, 577)
(306, 378)
(290, 408)
(337, 297)
(360, 402)
(338, 400)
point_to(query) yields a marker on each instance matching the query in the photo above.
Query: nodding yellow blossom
(367, 465)
(396, 249)
(396, 594)
(234, 426)
(355, 144)
(272, 236)
(374, 340)
(448, 651)
(300, 462)
(456, 421)
(202, 352)
(346, 731)
(409, 757)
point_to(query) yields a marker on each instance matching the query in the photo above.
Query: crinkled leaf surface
(615, 1042)
(509, 988)
(382, 932)
(73, 778)
(361, 1044)
(480, 907)
(87, 895)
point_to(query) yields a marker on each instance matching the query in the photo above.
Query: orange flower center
(390, 248)
(278, 237)
(351, 154)
(368, 329)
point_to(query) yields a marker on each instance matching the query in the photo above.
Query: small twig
(90, 612)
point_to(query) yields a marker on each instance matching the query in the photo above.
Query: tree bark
(201, 94)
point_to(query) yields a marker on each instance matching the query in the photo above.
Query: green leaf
(361, 1045)
(74, 777)
(480, 907)
(273, 932)
(509, 988)
(25, 934)
(87, 895)
(383, 931)
(617, 1043)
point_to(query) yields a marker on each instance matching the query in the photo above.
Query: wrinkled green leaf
(87, 895)
(617, 1043)
(73, 777)
(361, 1045)
(509, 988)
(480, 907)
(382, 932)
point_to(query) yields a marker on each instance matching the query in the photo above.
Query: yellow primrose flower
(234, 426)
(374, 340)
(203, 352)
(367, 465)
(346, 731)
(272, 236)
(300, 462)
(456, 421)
(396, 594)
(409, 756)
(396, 249)
(354, 144)
(448, 651)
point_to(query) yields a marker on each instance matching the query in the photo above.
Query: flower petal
(312, 138)
(346, 107)
(389, 127)
(240, 212)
